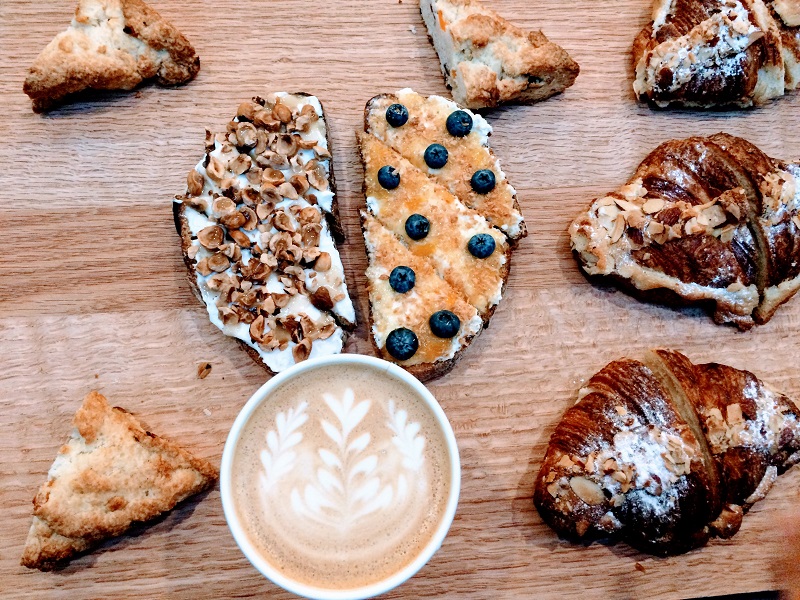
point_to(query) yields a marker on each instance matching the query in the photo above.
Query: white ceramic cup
(242, 537)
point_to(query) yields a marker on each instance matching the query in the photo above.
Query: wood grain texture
(93, 293)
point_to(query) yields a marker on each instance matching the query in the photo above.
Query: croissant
(665, 454)
(704, 53)
(703, 220)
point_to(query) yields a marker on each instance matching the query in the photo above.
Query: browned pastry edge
(144, 23)
(515, 202)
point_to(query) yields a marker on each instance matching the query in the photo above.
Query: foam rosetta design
(347, 481)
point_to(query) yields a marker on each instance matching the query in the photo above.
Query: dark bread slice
(465, 155)
(391, 310)
(344, 322)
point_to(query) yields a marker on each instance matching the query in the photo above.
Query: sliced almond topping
(619, 229)
(653, 205)
(734, 413)
(587, 490)
(565, 462)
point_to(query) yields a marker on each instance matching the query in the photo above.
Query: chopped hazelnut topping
(211, 237)
(323, 263)
(194, 183)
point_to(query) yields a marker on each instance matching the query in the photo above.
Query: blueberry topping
(444, 324)
(459, 123)
(397, 115)
(389, 177)
(483, 181)
(481, 245)
(402, 279)
(436, 156)
(417, 227)
(402, 343)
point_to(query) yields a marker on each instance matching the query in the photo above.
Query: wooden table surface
(93, 294)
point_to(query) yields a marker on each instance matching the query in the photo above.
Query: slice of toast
(390, 310)
(487, 61)
(426, 125)
(452, 225)
(257, 229)
(111, 44)
(110, 474)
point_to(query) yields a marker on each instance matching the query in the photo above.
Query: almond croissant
(665, 454)
(703, 220)
(704, 53)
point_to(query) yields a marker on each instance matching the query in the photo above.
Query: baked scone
(110, 474)
(464, 135)
(110, 45)
(700, 53)
(665, 454)
(256, 231)
(451, 226)
(405, 293)
(487, 61)
(703, 220)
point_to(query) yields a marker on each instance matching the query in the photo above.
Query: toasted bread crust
(70, 63)
(110, 474)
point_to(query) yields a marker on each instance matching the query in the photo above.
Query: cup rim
(239, 533)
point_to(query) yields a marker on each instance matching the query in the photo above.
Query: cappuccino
(341, 477)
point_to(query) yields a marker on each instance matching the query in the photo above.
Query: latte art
(348, 482)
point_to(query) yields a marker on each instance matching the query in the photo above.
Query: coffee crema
(341, 477)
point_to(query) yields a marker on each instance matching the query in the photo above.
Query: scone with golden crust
(391, 310)
(487, 61)
(467, 154)
(110, 474)
(110, 45)
(701, 53)
(452, 225)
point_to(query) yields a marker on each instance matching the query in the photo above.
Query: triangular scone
(426, 125)
(110, 45)
(110, 474)
(391, 310)
(701, 53)
(703, 220)
(452, 225)
(487, 61)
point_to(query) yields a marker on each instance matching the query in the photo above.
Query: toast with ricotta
(488, 61)
(424, 121)
(257, 228)
(110, 474)
(110, 45)
(451, 226)
(408, 306)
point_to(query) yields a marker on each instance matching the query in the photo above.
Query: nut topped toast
(467, 168)
(110, 474)
(444, 226)
(111, 44)
(409, 303)
(487, 61)
(703, 220)
(257, 237)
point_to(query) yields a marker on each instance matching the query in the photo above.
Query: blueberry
(481, 245)
(402, 279)
(444, 324)
(483, 181)
(436, 156)
(417, 227)
(459, 123)
(389, 177)
(402, 343)
(397, 115)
